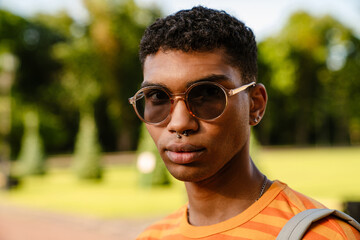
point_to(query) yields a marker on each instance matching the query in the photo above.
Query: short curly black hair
(201, 29)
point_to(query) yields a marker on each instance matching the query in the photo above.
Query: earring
(178, 135)
(256, 120)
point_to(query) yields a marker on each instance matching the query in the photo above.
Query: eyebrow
(210, 78)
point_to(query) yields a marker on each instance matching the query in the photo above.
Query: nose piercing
(185, 133)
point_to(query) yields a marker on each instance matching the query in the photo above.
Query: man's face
(210, 145)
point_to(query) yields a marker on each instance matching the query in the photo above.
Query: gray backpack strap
(297, 226)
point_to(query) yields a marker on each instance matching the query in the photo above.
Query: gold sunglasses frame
(184, 97)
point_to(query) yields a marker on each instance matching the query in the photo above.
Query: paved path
(27, 224)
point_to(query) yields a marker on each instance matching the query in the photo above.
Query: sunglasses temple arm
(242, 88)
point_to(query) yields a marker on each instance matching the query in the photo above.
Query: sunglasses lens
(207, 101)
(153, 105)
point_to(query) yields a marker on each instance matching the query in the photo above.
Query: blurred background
(73, 154)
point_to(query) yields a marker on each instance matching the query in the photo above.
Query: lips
(184, 153)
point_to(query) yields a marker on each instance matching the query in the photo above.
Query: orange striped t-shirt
(262, 220)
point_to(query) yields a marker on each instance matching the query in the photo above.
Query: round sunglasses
(204, 100)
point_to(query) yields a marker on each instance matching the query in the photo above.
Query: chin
(188, 173)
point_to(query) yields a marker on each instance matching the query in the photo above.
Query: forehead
(176, 69)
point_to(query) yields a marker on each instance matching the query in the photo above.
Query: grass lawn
(330, 174)
(118, 195)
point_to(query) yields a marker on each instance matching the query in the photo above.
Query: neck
(232, 190)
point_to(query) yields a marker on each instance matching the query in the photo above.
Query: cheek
(239, 111)
(235, 125)
(159, 135)
(154, 133)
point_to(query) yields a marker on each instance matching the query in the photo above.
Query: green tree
(30, 44)
(81, 76)
(100, 71)
(116, 30)
(112, 36)
(87, 149)
(31, 159)
(8, 65)
(306, 71)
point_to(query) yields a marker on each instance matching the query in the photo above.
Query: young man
(199, 99)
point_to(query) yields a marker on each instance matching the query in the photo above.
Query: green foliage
(87, 149)
(159, 174)
(116, 30)
(81, 78)
(310, 70)
(82, 72)
(31, 160)
(35, 81)
(7, 68)
(66, 65)
(10, 39)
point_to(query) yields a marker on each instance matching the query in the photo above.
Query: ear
(258, 100)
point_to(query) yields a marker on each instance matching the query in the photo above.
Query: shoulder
(297, 200)
(167, 226)
(285, 202)
(327, 228)
(332, 228)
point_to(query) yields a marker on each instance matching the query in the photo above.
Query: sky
(265, 17)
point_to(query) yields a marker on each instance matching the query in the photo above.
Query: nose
(180, 119)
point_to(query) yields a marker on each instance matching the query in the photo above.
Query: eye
(204, 93)
(197, 98)
(156, 96)
(210, 91)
